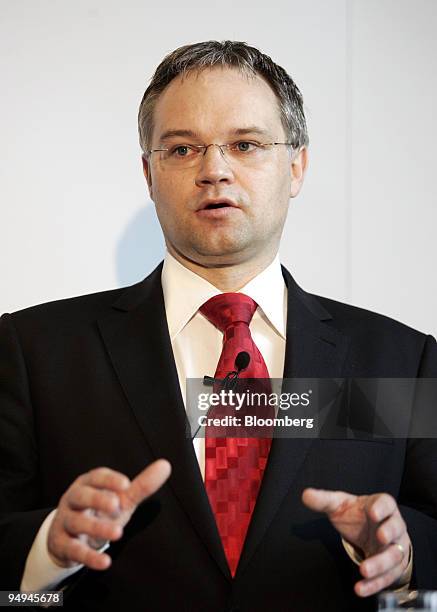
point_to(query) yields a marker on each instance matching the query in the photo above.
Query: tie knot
(228, 308)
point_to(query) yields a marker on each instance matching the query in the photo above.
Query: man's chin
(207, 255)
(229, 249)
(221, 252)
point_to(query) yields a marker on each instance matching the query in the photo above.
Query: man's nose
(214, 167)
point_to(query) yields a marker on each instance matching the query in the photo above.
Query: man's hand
(373, 524)
(95, 508)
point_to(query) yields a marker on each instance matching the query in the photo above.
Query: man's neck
(226, 277)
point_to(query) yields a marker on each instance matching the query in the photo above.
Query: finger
(321, 500)
(77, 523)
(73, 550)
(392, 557)
(105, 478)
(381, 506)
(147, 482)
(364, 588)
(83, 497)
(392, 529)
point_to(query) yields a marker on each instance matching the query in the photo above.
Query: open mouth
(216, 205)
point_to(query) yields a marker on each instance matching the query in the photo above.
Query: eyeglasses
(244, 152)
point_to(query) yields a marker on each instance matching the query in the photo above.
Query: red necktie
(234, 467)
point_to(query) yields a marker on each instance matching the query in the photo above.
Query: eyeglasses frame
(226, 146)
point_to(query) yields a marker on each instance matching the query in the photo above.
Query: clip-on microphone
(242, 360)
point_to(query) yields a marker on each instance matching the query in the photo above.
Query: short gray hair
(228, 53)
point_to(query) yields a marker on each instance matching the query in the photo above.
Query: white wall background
(75, 214)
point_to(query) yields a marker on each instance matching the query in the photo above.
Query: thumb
(147, 482)
(321, 500)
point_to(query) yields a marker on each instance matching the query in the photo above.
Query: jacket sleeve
(418, 494)
(20, 512)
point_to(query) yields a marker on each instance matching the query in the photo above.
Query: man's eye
(181, 151)
(244, 146)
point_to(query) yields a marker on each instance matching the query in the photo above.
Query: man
(103, 492)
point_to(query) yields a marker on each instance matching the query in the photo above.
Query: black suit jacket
(91, 381)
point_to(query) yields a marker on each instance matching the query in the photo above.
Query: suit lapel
(137, 340)
(313, 350)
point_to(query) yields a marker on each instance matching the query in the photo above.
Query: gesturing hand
(373, 524)
(95, 508)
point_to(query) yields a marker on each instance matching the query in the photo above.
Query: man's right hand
(95, 508)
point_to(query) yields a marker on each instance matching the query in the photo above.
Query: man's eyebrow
(172, 133)
(252, 129)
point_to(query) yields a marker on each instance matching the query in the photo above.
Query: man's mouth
(217, 203)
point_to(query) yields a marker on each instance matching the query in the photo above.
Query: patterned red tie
(234, 467)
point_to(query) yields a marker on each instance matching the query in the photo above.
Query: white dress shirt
(197, 344)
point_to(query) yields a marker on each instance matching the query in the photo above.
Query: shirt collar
(185, 292)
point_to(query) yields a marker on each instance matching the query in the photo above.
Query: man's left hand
(373, 524)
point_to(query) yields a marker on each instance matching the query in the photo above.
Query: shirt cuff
(402, 583)
(40, 571)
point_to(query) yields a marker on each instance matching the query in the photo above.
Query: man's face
(211, 106)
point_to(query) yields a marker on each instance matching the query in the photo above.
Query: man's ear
(299, 163)
(147, 173)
